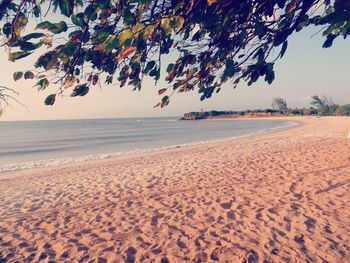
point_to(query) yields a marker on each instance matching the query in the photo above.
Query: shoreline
(276, 197)
(117, 155)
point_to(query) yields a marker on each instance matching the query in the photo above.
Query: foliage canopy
(121, 41)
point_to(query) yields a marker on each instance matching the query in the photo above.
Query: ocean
(34, 144)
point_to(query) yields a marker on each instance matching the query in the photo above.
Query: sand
(279, 197)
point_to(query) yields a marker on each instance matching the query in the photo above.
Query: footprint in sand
(310, 224)
(130, 255)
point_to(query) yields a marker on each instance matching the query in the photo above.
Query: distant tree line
(321, 106)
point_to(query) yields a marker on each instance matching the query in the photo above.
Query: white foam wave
(20, 166)
(154, 121)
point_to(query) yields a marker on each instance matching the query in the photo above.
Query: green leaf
(66, 7)
(60, 27)
(88, 13)
(153, 72)
(95, 79)
(77, 72)
(178, 21)
(329, 41)
(280, 38)
(80, 90)
(29, 75)
(37, 11)
(270, 74)
(124, 36)
(170, 67)
(111, 43)
(76, 20)
(7, 29)
(75, 35)
(150, 65)
(50, 100)
(157, 76)
(17, 75)
(45, 25)
(28, 46)
(197, 35)
(165, 101)
(230, 68)
(55, 28)
(109, 80)
(129, 18)
(42, 84)
(18, 55)
(284, 48)
(166, 25)
(33, 35)
(19, 25)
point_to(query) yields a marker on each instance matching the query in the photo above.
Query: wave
(156, 120)
(21, 166)
(15, 167)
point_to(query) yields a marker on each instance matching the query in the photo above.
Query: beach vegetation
(343, 110)
(319, 102)
(279, 104)
(324, 107)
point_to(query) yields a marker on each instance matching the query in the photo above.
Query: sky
(306, 69)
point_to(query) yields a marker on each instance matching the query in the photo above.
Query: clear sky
(306, 69)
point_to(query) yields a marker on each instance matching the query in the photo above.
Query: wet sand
(279, 197)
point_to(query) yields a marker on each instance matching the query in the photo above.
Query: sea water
(33, 144)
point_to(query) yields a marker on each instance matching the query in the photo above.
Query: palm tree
(319, 102)
(279, 104)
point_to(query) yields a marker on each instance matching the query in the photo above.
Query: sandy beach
(279, 197)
